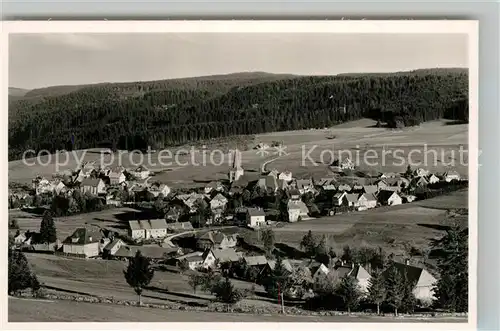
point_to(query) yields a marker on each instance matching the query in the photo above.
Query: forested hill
(171, 112)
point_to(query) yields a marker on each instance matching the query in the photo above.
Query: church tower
(236, 170)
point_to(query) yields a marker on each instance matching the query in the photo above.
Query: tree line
(102, 116)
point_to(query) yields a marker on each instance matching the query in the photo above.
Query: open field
(105, 278)
(441, 140)
(391, 228)
(24, 310)
(115, 219)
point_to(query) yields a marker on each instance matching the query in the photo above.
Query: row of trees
(98, 116)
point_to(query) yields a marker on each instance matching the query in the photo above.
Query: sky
(40, 60)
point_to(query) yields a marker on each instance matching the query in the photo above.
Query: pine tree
(409, 301)
(349, 292)
(394, 288)
(20, 275)
(278, 280)
(226, 293)
(376, 289)
(138, 273)
(308, 244)
(451, 289)
(268, 241)
(48, 232)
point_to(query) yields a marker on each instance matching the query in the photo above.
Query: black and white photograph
(242, 172)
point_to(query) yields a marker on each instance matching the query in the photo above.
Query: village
(271, 200)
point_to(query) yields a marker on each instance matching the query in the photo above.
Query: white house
(297, 209)
(451, 175)
(339, 198)
(93, 186)
(320, 277)
(163, 189)
(352, 200)
(423, 280)
(21, 238)
(112, 247)
(84, 242)
(148, 229)
(367, 201)
(420, 172)
(389, 198)
(255, 217)
(286, 176)
(218, 202)
(433, 179)
(211, 256)
(116, 176)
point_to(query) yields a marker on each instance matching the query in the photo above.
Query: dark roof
(255, 212)
(384, 195)
(413, 273)
(83, 236)
(90, 182)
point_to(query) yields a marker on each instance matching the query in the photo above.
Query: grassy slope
(21, 310)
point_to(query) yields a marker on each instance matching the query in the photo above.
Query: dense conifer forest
(172, 112)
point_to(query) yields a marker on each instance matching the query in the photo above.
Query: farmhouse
(140, 172)
(451, 175)
(352, 200)
(93, 186)
(214, 186)
(304, 185)
(216, 239)
(255, 261)
(381, 184)
(419, 182)
(255, 217)
(157, 189)
(218, 202)
(20, 238)
(320, 277)
(180, 226)
(421, 172)
(327, 184)
(340, 199)
(84, 242)
(268, 183)
(148, 229)
(389, 198)
(371, 189)
(425, 282)
(116, 176)
(367, 201)
(111, 248)
(344, 188)
(286, 176)
(356, 271)
(297, 210)
(433, 179)
(211, 256)
(193, 261)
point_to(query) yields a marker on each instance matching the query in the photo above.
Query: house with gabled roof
(328, 184)
(214, 186)
(83, 242)
(344, 188)
(286, 176)
(418, 182)
(304, 185)
(218, 202)
(423, 280)
(255, 217)
(148, 229)
(420, 172)
(111, 248)
(339, 199)
(212, 256)
(370, 189)
(451, 175)
(367, 201)
(389, 198)
(216, 239)
(93, 186)
(352, 199)
(432, 179)
(255, 261)
(116, 176)
(297, 210)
